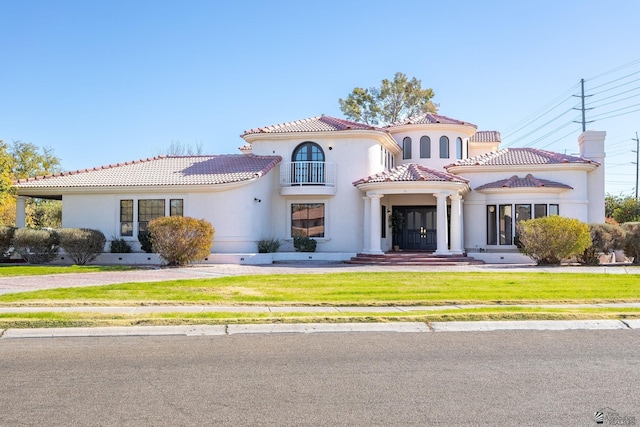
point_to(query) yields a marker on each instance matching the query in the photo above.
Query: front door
(418, 231)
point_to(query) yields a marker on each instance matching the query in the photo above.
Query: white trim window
(145, 210)
(501, 226)
(308, 220)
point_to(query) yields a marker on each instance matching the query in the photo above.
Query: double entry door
(418, 231)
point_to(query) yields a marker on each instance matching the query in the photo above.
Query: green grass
(39, 270)
(70, 319)
(346, 289)
(339, 289)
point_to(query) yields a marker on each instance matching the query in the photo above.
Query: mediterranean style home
(428, 183)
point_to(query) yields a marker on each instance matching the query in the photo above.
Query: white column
(21, 211)
(441, 214)
(456, 224)
(366, 224)
(375, 224)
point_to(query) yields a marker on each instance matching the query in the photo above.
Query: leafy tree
(23, 160)
(551, 239)
(394, 100)
(622, 209)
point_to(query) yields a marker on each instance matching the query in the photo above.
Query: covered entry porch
(429, 201)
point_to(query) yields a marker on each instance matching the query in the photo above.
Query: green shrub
(82, 245)
(119, 246)
(268, 245)
(304, 244)
(551, 239)
(605, 238)
(36, 246)
(632, 241)
(6, 241)
(144, 237)
(181, 240)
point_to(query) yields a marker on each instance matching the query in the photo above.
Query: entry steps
(413, 258)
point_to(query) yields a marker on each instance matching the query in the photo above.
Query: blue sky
(103, 82)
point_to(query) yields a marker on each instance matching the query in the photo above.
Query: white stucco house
(454, 190)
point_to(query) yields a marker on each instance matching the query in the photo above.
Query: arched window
(425, 147)
(444, 147)
(307, 164)
(458, 148)
(406, 148)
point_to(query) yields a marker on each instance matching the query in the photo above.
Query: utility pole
(637, 161)
(583, 109)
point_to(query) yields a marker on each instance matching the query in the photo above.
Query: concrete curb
(308, 328)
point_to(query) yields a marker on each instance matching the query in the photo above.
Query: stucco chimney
(591, 145)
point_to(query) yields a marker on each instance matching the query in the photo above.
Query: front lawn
(345, 289)
(39, 270)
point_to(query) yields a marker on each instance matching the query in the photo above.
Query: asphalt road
(506, 378)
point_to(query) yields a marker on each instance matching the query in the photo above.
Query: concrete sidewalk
(309, 328)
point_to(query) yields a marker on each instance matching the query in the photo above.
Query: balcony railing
(308, 173)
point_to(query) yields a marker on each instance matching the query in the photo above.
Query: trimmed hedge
(36, 246)
(181, 240)
(632, 241)
(304, 244)
(605, 238)
(6, 241)
(119, 246)
(83, 245)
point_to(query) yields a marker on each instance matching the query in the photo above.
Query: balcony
(307, 178)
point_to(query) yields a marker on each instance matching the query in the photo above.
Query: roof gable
(411, 172)
(427, 119)
(312, 124)
(162, 170)
(527, 182)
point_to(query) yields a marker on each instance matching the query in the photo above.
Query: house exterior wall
(356, 156)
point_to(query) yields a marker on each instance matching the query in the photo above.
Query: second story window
(308, 164)
(406, 148)
(425, 147)
(444, 147)
(458, 148)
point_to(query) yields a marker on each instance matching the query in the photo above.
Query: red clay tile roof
(486, 136)
(527, 182)
(429, 118)
(411, 172)
(162, 170)
(313, 124)
(520, 156)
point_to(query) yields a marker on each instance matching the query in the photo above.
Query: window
(501, 228)
(383, 221)
(458, 148)
(307, 164)
(406, 148)
(149, 209)
(307, 220)
(444, 147)
(540, 211)
(126, 217)
(176, 207)
(506, 227)
(492, 220)
(425, 147)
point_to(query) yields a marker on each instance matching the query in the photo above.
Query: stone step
(413, 258)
